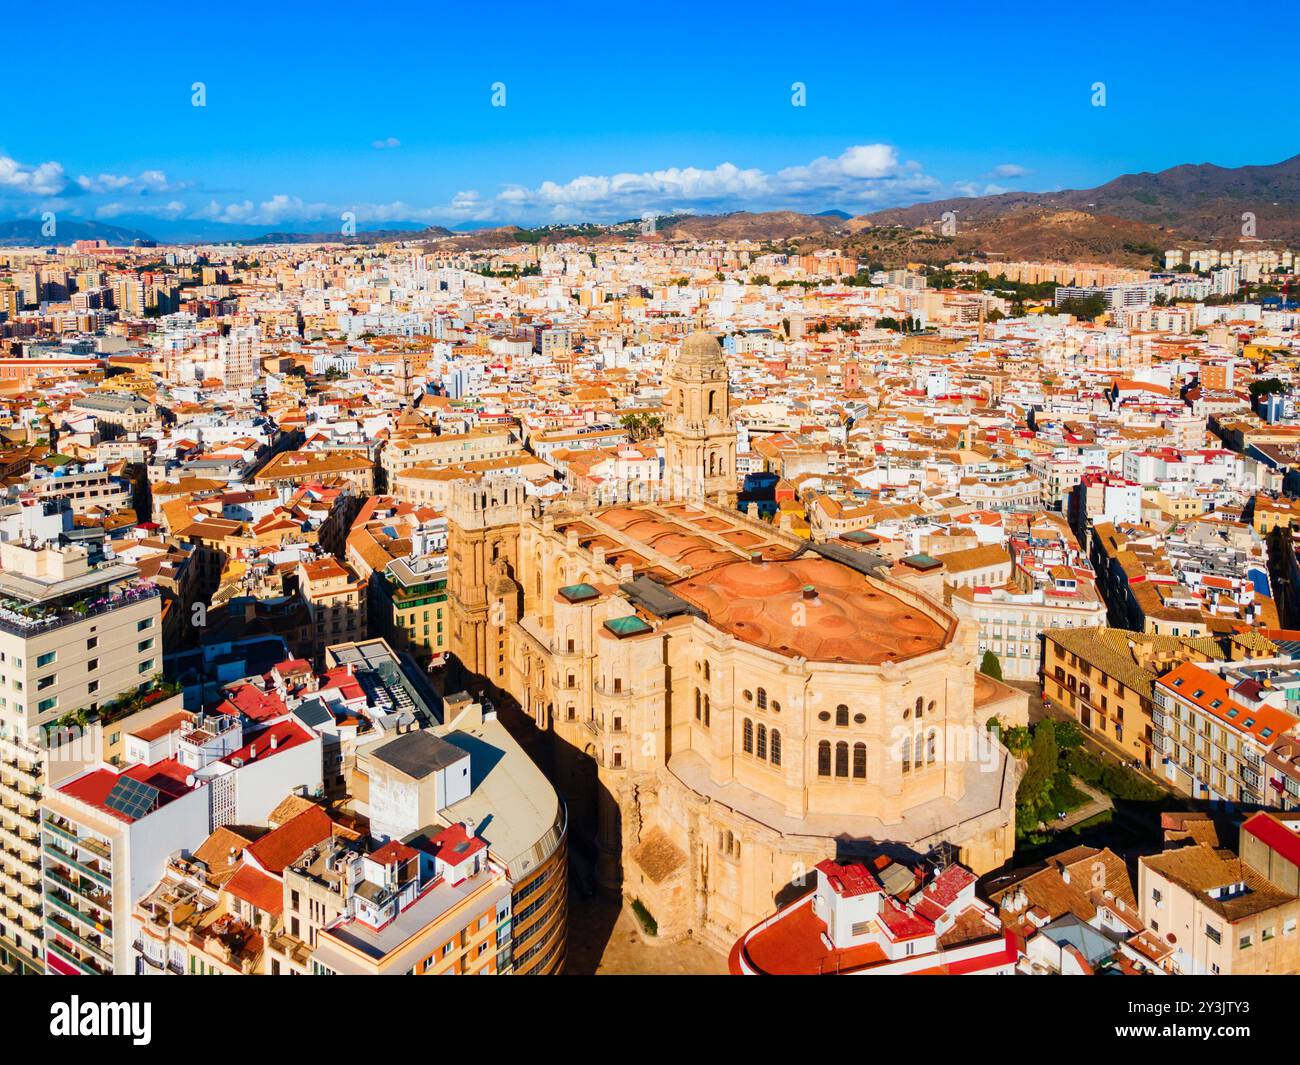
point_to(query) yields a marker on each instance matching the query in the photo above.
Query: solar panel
(132, 798)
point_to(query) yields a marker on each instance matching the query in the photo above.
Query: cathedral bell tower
(700, 436)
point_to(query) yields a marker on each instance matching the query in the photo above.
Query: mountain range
(1129, 221)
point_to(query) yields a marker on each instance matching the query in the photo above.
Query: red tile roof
(253, 885)
(284, 845)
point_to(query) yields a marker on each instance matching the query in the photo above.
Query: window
(841, 759)
(697, 704)
(147, 623)
(145, 645)
(860, 761)
(747, 736)
(824, 758)
(1244, 943)
(146, 666)
(776, 747)
(46, 659)
(842, 715)
(906, 752)
(762, 698)
(1212, 934)
(92, 664)
(47, 704)
(920, 706)
(762, 741)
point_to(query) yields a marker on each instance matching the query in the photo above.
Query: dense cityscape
(692, 491)
(391, 608)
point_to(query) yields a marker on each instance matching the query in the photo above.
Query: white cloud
(45, 179)
(148, 181)
(861, 178)
(864, 175)
(1009, 170)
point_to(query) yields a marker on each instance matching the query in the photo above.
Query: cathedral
(724, 703)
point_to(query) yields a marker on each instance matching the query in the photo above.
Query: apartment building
(1225, 914)
(426, 448)
(1011, 620)
(1105, 678)
(336, 599)
(470, 771)
(88, 487)
(437, 905)
(72, 638)
(108, 832)
(296, 468)
(1215, 730)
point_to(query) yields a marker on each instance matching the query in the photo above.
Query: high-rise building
(83, 636)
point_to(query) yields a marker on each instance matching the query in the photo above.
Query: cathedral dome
(701, 348)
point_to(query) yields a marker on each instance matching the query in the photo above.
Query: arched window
(906, 752)
(919, 756)
(697, 704)
(762, 741)
(776, 747)
(930, 709)
(776, 707)
(931, 742)
(860, 761)
(842, 715)
(920, 707)
(824, 758)
(706, 711)
(841, 759)
(762, 698)
(748, 736)
(706, 671)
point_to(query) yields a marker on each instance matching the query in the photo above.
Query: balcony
(92, 871)
(20, 798)
(87, 966)
(85, 842)
(60, 927)
(26, 622)
(86, 890)
(101, 928)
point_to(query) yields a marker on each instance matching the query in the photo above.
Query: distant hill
(362, 236)
(746, 225)
(26, 232)
(1191, 202)
(836, 213)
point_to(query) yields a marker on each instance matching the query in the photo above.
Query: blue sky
(617, 111)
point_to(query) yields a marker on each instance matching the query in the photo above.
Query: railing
(67, 859)
(89, 968)
(19, 625)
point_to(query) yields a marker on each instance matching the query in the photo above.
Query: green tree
(1043, 757)
(990, 666)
